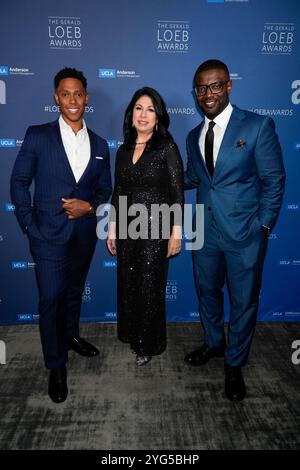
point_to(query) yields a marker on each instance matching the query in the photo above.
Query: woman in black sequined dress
(148, 171)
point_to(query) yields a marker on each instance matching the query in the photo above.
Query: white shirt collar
(222, 119)
(65, 127)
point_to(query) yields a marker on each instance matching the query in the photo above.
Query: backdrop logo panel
(172, 290)
(107, 73)
(9, 207)
(177, 110)
(194, 315)
(227, 1)
(290, 262)
(87, 293)
(115, 73)
(25, 317)
(110, 316)
(281, 112)
(273, 236)
(292, 314)
(278, 38)
(235, 76)
(8, 143)
(173, 36)
(112, 143)
(64, 32)
(22, 265)
(5, 70)
(2, 92)
(110, 264)
(53, 108)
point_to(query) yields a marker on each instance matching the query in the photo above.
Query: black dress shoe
(82, 347)
(57, 388)
(203, 355)
(235, 388)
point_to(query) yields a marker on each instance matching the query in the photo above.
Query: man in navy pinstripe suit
(70, 167)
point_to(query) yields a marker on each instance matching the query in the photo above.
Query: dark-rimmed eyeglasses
(215, 88)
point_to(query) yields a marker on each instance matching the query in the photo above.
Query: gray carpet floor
(113, 404)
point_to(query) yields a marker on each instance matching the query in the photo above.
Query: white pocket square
(99, 158)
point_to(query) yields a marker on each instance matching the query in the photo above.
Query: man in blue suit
(235, 162)
(70, 167)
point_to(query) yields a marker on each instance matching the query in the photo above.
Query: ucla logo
(110, 264)
(112, 315)
(112, 144)
(107, 73)
(9, 207)
(25, 317)
(194, 314)
(293, 207)
(4, 70)
(19, 265)
(7, 142)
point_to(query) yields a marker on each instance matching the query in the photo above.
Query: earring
(156, 127)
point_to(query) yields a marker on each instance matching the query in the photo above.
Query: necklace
(140, 143)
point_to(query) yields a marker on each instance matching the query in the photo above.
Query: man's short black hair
(68, 72)
(209, 65)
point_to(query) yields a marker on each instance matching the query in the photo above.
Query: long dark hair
(160, 132)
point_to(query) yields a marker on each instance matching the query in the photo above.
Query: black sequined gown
(156, 178)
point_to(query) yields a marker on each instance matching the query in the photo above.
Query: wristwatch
(91, 212)
(266, 230)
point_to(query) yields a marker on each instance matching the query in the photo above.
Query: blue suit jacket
(247, 186)
(42, 158)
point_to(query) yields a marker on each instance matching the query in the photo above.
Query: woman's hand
(174, 245)
(111, 239)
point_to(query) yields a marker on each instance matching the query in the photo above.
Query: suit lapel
(58, 138)
(64, 157)
(231, 136)
(198, 160)
(92, 155)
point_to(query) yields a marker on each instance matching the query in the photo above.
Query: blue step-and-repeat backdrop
(122, 45)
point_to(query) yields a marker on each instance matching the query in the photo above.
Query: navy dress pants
(241, 265)
(61, 272)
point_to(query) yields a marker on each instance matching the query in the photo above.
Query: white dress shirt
(219, 130)
(77, 147)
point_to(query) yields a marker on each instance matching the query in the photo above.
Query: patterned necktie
(209, 148)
